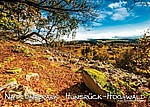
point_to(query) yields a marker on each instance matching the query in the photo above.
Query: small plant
(125, 60)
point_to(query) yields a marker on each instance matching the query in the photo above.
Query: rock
(144, 80)
(64, 55)
(68, 66)
(13, 95)
(11, 84)
(146, 84)
(56, 59)
(31, 96)
(49, 57)
(134, 77)
(15, 91)
(74, 61)
(33, 75)
(91, 62)
(47, 51)
(137, 83)
(63, 62)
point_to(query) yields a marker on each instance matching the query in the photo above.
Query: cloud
(133, 18)
(96, 24)
(117, 16)
(102, 16)
(127, 30)
(106, 12)
(120, 14)
(119, 11)
(143, 4)
(108, 34)
(116, 5)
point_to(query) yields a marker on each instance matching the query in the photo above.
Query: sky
(116, 20)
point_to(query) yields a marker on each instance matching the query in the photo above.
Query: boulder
(10, 84)
(15, 91)
(33, 75)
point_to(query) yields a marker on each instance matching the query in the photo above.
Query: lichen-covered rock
(14, 70)
(33, 75)
(107, 78)
(49, 57)
(97, 75)
(14, 91)
(11, 84)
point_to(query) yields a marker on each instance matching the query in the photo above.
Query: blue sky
(115, 20)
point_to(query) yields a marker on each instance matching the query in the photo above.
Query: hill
(36, 76)
(55, 80)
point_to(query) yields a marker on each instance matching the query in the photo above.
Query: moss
(53, 65)
(145, 94)
(49, 90)
(14, 70)
(30, 73)
(132, 84)
(114, 88)
(35, 63)
(26, 51)
(122, 83)
(22, 49)
(1, 65)
(98, 76)
(9, 59)
(11, 80)
(103, 81)
(75, 69)
(46, 56)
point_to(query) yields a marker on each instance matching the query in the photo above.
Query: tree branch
(31, 34)
(45, 7)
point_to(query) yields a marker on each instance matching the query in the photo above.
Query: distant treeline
(97, 41)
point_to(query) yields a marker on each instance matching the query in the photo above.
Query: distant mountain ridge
(127, 37)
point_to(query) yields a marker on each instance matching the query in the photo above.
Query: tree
(19, 18)
(61, 17)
